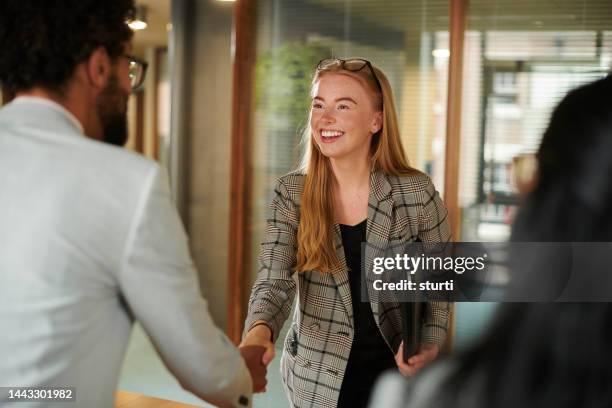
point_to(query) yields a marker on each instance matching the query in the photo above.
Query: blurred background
(226, 99)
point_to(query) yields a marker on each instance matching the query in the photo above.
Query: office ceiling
(158, 18)
(482, 15)
(407, 15)
(403, 15)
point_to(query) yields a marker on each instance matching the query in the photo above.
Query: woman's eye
(316, 106)
(343, 107)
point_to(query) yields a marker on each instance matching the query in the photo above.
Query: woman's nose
(328, 117)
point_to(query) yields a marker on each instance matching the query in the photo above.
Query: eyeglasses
(138, 70)
(352, 64)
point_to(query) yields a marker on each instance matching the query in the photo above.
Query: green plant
(283, 78)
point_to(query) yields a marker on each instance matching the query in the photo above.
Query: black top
(370, 355)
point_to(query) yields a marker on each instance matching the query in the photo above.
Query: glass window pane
(520, 59)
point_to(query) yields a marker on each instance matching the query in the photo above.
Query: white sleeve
(159, 282)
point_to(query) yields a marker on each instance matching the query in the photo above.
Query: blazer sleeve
(274, 289)
(434, 228)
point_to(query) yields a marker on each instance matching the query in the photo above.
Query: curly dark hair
(42, 41)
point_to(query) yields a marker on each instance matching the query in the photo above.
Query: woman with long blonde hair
(355, 186)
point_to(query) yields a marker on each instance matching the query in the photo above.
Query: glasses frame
(139, 62)
(343, 64)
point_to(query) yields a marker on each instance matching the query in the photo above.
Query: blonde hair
(316, 248)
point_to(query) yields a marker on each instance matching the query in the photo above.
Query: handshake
(257, 350)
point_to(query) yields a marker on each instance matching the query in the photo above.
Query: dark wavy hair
(573, 198)
(42, 41)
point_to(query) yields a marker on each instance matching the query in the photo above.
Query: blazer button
(307, 363)
(343, 333)
(315, 326)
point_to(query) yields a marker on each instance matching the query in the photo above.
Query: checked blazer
(318, 344)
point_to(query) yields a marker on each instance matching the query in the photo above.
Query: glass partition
(520, 59)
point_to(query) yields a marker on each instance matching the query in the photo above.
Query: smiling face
(342, 117)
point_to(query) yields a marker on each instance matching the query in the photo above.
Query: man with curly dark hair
(89, 237)
(74, 53)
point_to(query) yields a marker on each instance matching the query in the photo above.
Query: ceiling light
(441, 53)
(140, 19)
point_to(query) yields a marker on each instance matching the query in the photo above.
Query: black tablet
(412, 316)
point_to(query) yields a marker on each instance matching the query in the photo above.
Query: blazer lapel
(380, 208)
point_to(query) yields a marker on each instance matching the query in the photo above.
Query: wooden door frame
(458, 15)
(245, 15)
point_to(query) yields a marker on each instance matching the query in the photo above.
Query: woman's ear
(376, 122)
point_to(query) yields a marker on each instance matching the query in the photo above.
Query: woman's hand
(426, 354)
(260, 336)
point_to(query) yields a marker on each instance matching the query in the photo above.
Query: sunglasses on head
(351, 64)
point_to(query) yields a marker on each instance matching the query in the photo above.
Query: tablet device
(412, 316)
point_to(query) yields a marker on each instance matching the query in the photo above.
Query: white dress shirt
(90, 241)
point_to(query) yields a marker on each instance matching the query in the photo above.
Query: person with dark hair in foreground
(89, 237)
(543, 354)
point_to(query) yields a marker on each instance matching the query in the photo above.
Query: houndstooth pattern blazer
(317, 346)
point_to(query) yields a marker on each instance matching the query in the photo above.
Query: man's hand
(258, 338)
(426, 354)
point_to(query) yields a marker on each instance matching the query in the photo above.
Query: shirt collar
(53, 105)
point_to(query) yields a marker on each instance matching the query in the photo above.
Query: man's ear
(98, 67)
(376, 122)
